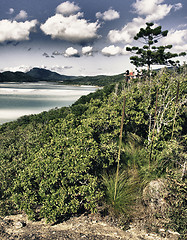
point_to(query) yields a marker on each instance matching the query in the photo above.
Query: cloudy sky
(83, 37)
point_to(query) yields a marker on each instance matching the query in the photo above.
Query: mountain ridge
(45, 74)
(40, 74)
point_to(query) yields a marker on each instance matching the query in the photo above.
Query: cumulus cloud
(71, 52)
(147, 7)
(67, 8)
(16, 31)
(70, 28)
(111, 51)
(22, 15)
(87, 51)
(148, 11)
(108, 15)
(177, 38)
(11, 11)
(127, 33)
(114, 50)
(154, 10)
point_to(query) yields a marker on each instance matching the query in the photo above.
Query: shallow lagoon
(19, 99)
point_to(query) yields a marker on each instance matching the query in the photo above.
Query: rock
(19, 224)
(162, 232)
(173, 235)
(153, 195)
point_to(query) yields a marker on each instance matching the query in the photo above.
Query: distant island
(40, 74)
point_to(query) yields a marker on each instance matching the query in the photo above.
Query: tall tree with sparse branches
(150, 53)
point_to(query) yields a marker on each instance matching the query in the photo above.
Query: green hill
(38, 74)
(99, 80)
(47, 75)
(16, 77)
(63, 162)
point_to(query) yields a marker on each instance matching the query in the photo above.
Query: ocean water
(19, 99)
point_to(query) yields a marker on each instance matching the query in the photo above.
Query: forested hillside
(64, 161)
(39, 74)
(100, 80)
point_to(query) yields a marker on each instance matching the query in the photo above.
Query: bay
(19, 99)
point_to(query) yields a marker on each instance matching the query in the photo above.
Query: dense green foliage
(99, 80)
(52, 164)
(16, 77)
(176, 198)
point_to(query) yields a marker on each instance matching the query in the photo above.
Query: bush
(128, 191)
(176, 199)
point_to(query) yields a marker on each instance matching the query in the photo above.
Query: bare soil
(91, 227)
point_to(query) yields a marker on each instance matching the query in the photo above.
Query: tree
(150, 54)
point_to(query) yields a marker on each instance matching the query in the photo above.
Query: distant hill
(47, 75)
(99, 80)
(39, 74)
(16, 77)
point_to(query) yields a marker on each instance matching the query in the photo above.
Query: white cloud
(146, 7)
(108, 15)
(70, 28)
(59, 69)
(128, 31)
(152, 10)
(11, 10)
(87, 51)
(177, 6)
(22, 15)
(21, 68)
(114, 50)
(180, 48)
(160, 12)
(71, 52)
(16, 31)
(124, 51)
(177, 38)
(148, 11)
(111, 51)
(67, 8)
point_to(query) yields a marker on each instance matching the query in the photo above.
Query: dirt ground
(90, 227)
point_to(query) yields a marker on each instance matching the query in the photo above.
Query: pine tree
(150, 53)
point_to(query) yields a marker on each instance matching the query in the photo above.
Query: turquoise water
(19, 99)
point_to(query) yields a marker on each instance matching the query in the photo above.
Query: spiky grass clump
(126, 192)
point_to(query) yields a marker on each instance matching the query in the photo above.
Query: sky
(83, 37)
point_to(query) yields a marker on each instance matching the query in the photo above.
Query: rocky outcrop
(154, 197)
(87, 227)
(156, 209)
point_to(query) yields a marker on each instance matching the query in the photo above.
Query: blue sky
(83, 37)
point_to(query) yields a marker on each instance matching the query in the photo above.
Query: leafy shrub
(176, 199)
(51, 167)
